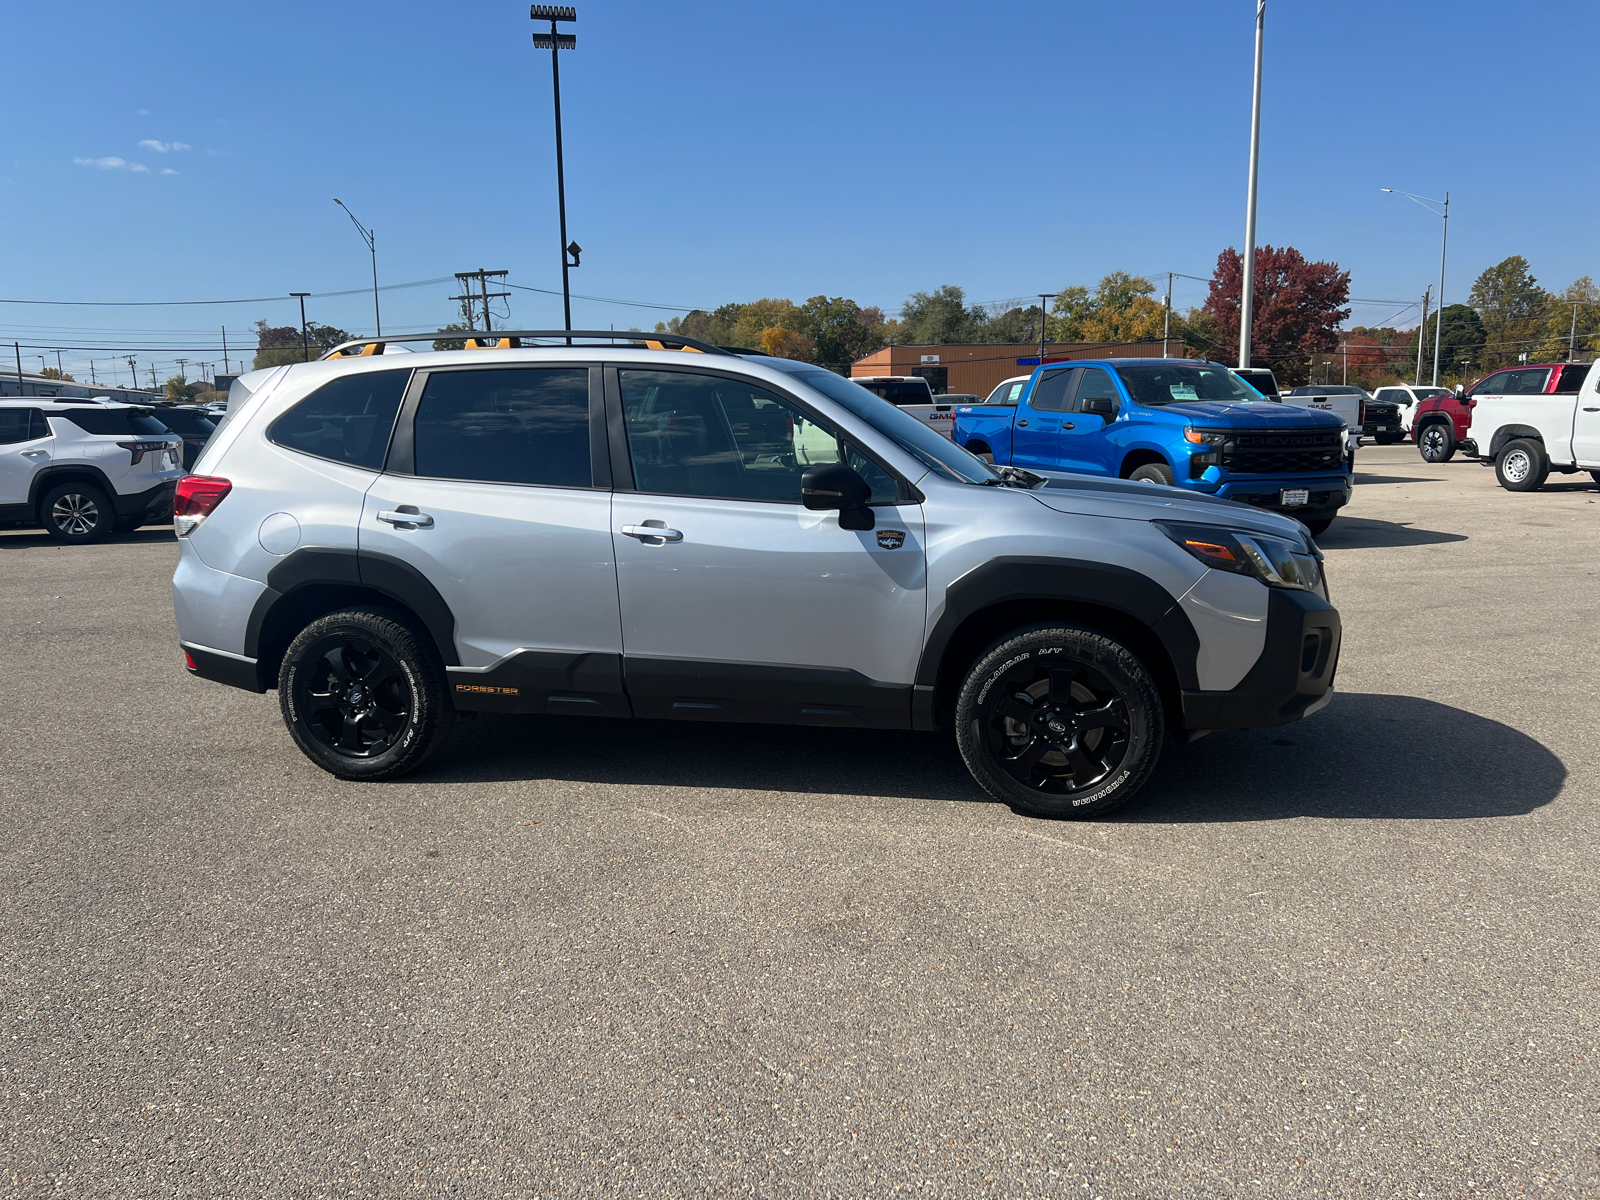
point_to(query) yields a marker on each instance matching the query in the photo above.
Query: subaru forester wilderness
(693, 534)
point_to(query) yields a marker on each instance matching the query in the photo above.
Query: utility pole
(133, 372)
(556, 42)
(305, 341)
(1438, 326)
(182, 374)
(1166, 326)
(1248, 298)
(1572, 336)
(1044, 314)
(15, 346)
(468, 297)
(225, 350)
(93, 382)
(153, 384)
(1422, 331)
(63, 370)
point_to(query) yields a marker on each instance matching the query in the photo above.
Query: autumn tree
(56, 373)
(1571, 322)
(1510, 304)
(1299, 305)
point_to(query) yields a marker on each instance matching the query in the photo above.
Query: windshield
(899, 391)
(933, 450)
(1155, 384)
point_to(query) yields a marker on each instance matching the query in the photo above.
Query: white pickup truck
(1342, 399)
(1526, 436)
(914, 395)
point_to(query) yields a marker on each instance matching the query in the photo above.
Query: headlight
(1205, 437)
(1275, 561)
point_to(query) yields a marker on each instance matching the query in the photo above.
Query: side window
(703, 435)
(1096, 384)
(1572, 377)
(520, 425)
(1495, 385)
(1529, 381)
(348, 420)
(1053, 392)
(21, 425)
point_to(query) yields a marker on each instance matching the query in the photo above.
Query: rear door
(1036, 430)
(25, 440)
(746, 606)
(498, 492)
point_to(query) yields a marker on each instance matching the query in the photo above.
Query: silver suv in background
(84, 470)
(611, 531)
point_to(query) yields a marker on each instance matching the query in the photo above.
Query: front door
(1586, 424)
(496, 496)
(738, 603)
(1036, 433)
(1082, 445)
(25, 441)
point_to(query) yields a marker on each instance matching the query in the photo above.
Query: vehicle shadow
(1364, 756)
(1365, 533)
(1362, 478)
(33, 539)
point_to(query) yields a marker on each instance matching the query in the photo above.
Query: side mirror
(1461, 388)
(1102, 406)
(834, 487)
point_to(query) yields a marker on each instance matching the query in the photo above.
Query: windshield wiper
(1014, 477)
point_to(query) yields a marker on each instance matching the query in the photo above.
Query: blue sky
(724, 151)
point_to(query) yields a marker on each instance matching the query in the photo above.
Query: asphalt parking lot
(1350, 957)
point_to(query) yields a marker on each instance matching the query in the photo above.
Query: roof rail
(504, 339)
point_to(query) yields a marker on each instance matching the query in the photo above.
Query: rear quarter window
(114, 422)
(348, 420)
(1572, 377)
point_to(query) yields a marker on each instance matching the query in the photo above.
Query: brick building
(977, 369)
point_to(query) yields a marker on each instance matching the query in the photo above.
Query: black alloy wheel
(77, 513)
(1060, 722)
(363, 696)
(1436, 443)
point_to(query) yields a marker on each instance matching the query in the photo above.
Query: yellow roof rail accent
(366, 351)
(659, 346)
(505, 343)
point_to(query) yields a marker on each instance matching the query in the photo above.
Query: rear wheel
(1595, 475)
(1521, 466)
(1437, 442)
(363, 696)
(1152, 473)
(77, 513)
(982, 451)
(1059, 721)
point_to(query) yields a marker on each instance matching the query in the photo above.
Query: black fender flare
(1105, 585)
(320, 565)
(1508, 433)
(42, 480)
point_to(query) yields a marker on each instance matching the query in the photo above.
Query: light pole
(371, 240)
(1044, 311)
(1166, 323)
(305, 341)
(1248, 298)
(555, 43)
(1444, 243)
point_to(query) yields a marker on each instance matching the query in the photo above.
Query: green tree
(840, 329)
(1573, 314)
(1014, 326)
(938, 318)
(1510, 303)
(179, 390)
(56, 373)
(1460, 341)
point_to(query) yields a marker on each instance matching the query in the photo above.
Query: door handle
(1585, 409)
(1067, 425)
(1021, 422)
(407, 514)
(46, 453)
(648, 532)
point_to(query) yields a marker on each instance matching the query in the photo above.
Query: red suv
(1441, 422)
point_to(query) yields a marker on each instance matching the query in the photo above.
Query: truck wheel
(1318, 527)
(1521, 466)
(981, 451)
(363, 696)
(1059, 721)
(1437, 442)
(77, 513)
(1595, 475)
(1152, 473)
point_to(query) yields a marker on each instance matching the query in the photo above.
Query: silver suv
(84, 470)
(691, 534)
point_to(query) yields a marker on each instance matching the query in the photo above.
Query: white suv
(613, 531)
(83, 470)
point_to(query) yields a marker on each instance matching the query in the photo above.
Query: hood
(1092, 495)
(1253, 414)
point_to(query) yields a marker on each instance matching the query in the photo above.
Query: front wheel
(1059, 721)
(1152, 473)
(1521, 466)
(363, 696)
(1437, 442)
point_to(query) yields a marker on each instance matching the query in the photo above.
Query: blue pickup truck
(1180, 422)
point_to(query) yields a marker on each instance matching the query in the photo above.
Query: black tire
(1595, 475)
(1319, 526)
(981, 451)
(1152, 473)
(1521, 466)
(1436, 442)
(1390, 439)
(77, 513)
(1048, 704)
(364, 696)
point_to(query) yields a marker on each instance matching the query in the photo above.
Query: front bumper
(154, 504)
(1292, 679)
(1325, 495)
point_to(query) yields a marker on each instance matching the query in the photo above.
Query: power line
(252, 300)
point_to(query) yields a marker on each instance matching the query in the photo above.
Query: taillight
(140, 449)
(188, 661)
(1361, 411)
(196, 496)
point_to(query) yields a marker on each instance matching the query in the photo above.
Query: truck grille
(1282, 453)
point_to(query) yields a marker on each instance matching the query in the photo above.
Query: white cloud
(143, 112)
(112, 163)
(168, 171)
(165, 147)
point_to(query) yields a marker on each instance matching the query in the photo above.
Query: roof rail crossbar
(511, 337)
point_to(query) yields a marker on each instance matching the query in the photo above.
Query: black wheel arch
(1135, 459)
(1510, 433)
(1011, 593)
(50, 477)
(314, 581)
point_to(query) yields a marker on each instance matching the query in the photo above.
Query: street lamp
(1444, 242)
(305, 341)
(371, 240)
(555, 43)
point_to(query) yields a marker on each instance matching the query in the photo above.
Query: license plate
(1383, 429)
(1294, 497)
